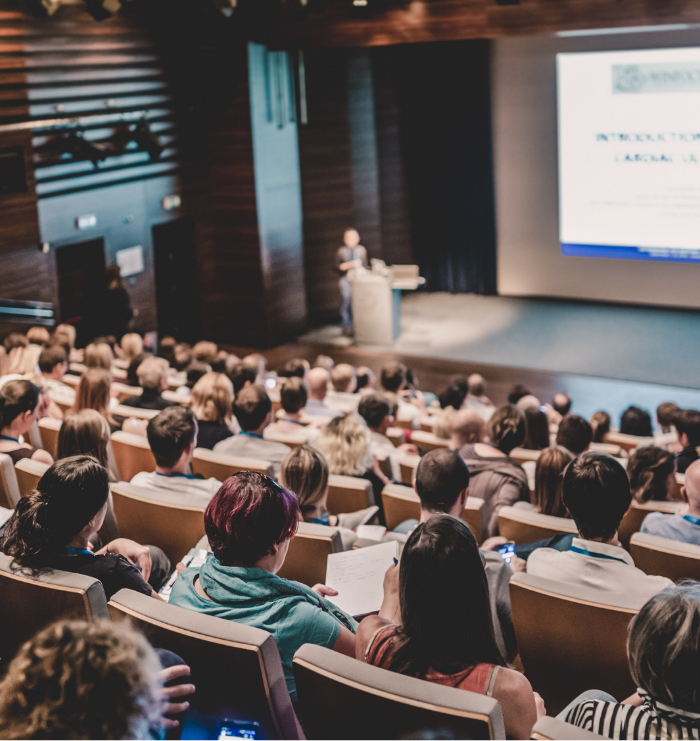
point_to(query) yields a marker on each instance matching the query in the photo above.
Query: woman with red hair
(249, 524)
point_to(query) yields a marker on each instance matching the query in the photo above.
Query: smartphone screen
(507, 551)
(270, 383)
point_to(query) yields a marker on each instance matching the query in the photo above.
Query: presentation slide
(629, 154)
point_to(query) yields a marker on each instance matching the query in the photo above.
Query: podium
(376, 301)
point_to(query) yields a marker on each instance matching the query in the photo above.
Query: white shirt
(342, 401)
(316, 408)
(484, 410)
(59, 391)
(193, 492)
(409, 413)
(382, 447)
(594, 565)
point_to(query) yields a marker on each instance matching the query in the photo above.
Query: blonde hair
(305, 472)
(342, 376)
(131, 345)
(344, 443)
(212, 398)
(443, 423)
(99, 356)
(151, 372)
(23, 360)
(78, 679)
(65, 333)
(93, 392)
(84, 433)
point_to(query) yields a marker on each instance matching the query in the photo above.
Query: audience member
(259, 363)
(294, 368)
(536, 429)
(317, 380)
(453, 396)
(166, 349)
(172, 436)
(152, 375)
(597, 494)
(547, 495)
(663, 648)
(652, 474)
(19, 402)
(342, 396)
(517, 393)
(212, 404)
(408, 407)
(53, 364)
(442, 423)
(377, 413)
(687, 422)
(366, 380)
(132, 378)
(496, 478)
(84, 433)
(99, 355)
(682, 527)
(293, 397)
(241, 376)
(22, 360)
(53, 528)
(182, 356)
(467, 428)
(429, 628)
(600, 426)
(476, 398)
(13, 340)
(252, 409)
(636, 421)
(131, 345)
(38, 336)
(574, 434)
(94, 393)
(205, 352)
(249, 524)
(665, 415)
(561, 403)
(324, 361)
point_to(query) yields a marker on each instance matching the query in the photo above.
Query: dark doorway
(81, 286)
(173, 248)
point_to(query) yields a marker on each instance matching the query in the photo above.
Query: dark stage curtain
(443, 92)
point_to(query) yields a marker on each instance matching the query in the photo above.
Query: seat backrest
(286, 438)
(472, 516)
(408, 465)
(28, 473)
(30, 602)
(614, 450)
(340, 698)
(124, 391)
(523, 525)
(385, 466)
(549, 729)
(308, 552)
(236, 668)
(627, 442)
(396, 435)
(664, 557)
(571, 638)
(675, 493)
(9, 487)
(348, 494)
(157, 518)
(426, 441)
(123, 411)
(132, 454)
(48, 431)
(401, 503)
(523, 455)
(184, 400)
(632, 521)
(211, 464)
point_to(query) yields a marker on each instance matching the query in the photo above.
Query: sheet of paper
(371, 532)
(358, 577)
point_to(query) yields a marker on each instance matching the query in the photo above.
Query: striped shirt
(648, 721)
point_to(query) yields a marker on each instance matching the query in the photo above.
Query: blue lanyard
(181, 475)
(584, 552)
(7, 437)
(78, 552)
(250, 434)
(692, 518)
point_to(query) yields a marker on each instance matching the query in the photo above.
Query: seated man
(393, 382)
(597, 493)
(293, 397)
(476, 398)
(575, 434)
(317, 380)
(687, 422)
(252, 409)
(172, 436)
(153, 380)
(467, 428)
(53, 364)
(342, 396)
(684, 528)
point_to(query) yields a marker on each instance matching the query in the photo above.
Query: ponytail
(26, 537)
(17, 397)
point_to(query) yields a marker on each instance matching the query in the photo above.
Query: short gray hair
(151, 371)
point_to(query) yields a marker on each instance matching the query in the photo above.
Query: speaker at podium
(376, 300)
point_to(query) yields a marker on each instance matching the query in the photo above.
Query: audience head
(259, 363)
(18, 402)
(476, 385)
(205, 352)
(548, 495)
(528, 402)
(351, 237)
(212, 398)
(220, 363)
(663, 647)
(561, 403)
(446, 623)
(82, 679)
(453, 396)
(600, 425)
(182, 356)
(652, 473)
(443, 423)
(132, 378)
(597, 494)
(195, 371)
(131, 345)
(249, 518)
(305, 472)
(575, 434)
(53, 362)
(467, 428)
(152, 374)
(15, 339)
(242, 375)
(70, 498)
(442, 480)
(252, 408)
(343, 378)
(517, 393)
(99, 355)
(324, 361)
(687, 423)
(23, 360)
(172, 434)
(344, 442)
(93, 391)
(317, 380)
(38, 336)
(666, 413)
(377, 411)
(365, 378)
(691, 489)
(636, 421)
(506, 428)
(537, 429)
(84, 433)
(393, 377)
(293, 395)
(295, 368)
(166, 349)
(65, 334)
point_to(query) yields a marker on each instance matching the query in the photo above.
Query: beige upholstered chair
(675, 493)
(408, 465)
(395, 434)
(123, 411)
(551, 729)
(340, 698)
(627, 442)
(308, 552)
(426, 441)
(632, 521)
(132, 454)
(523, 525)
(348, 494)
(220, 467)
(28, 473)
(9, 486)
(523, 455)
(236, 669)
(614, 450)
(48, 431)
(124, 391)
(664, 557)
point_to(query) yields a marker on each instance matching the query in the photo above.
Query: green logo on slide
(672, 77)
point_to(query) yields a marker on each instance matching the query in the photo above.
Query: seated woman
(53, 527)
(652, 474)
(99, 355)
(249, 524)
(212, 400)
(94, 392)
(131, 345)
(600, 424)
(19, 402)
(495, 477)
(636, 421)
(305, 472)
(435, 623)
(663, 651)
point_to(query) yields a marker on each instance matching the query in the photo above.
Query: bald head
(692, 486)
(317, 380)
(467, 427)
(477, 385)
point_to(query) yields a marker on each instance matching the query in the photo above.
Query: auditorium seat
(571, 639)
(614, 450)
(523, 525)
(293, 440)
(385, 466)
(632, 521)
(396, 435)
(308, 551)
(220, 467)
(184, 400)
(348, 494)
(9, 486)
(123, 411)
(62, 405)
(124, 391)
(408, 465)
(236, 669)
(427, 424)
(28, 473)
(627, 442)
(157, 518)
(523, 455)
(30, 602)
(119, 373)
(34, 435)
(551, 729)
(426, 441)
(664, 557)
(132, 454)
(341, 698)
(48, 431)
(71, 379)
(675, 493)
